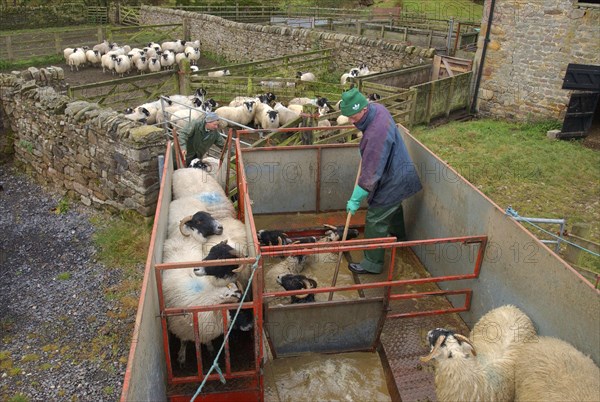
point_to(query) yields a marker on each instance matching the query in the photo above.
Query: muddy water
(355, 376)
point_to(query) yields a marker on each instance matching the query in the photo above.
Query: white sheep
(108, 62)
(167, 59)
(265, 117)
(177, 46)
(77, 58)
(122, 65)
(219, 73)
(93, 57)
(155, 47)
(354, 72)
(549, 369)
(305, 76)
(181, 288)
(179, 58)
(193, 54)
(141, 64)
(145, 113)
(480, 369)
(154, 65)
(69, 51)
(135, 54)
(243, 114)
(239, 100)
(286, 115)
(189, 182)
(102, 48)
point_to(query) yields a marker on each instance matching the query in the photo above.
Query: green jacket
(196, 140)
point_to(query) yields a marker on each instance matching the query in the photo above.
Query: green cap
(352, 102)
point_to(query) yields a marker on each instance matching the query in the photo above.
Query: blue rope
(215, 365)
(511, 212)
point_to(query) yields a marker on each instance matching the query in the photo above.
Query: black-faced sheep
(351, 74)
(167, 60)
(243, 114)
(297, 282)
(221, 251)
(177, 46)
(122, 65)
(272, 237)
(305, 76)
(154, 65)
(289, 265)
(77, 58)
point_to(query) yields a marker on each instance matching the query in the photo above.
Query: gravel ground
(63, 337)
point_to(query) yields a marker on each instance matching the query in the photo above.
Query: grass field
(516, 165)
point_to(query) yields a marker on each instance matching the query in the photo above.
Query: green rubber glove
(354, 202)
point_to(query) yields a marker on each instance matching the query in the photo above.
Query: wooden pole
(339, 260)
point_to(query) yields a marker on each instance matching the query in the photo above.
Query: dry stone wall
(239, 42)
(80, 148)
(531, 45)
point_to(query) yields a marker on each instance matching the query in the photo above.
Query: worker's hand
(184, 153)
(354, 202)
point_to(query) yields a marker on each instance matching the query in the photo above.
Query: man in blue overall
(387, 176)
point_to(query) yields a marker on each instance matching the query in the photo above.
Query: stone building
(531, 44)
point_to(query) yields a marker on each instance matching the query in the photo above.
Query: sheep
(189, 182)
(77, 58)
(239, 100)
(374, 97)
(294, 264)
(195, 44)
(93, 57)
(549, 369)
(180, 210)
(363, 69)
(193, 54)
(297, 282)
(155, 46)
(141, 64)
(135, 54)
(122, 65)
(167, 60)
(108, 61)
(265, 117)
(234, 234)
(145, 113)
(219, 73)
(286, 115)
(181, 288)
(179, 58)
(102, 48)
(272, 238)
(239, 114)
(351, 74)
(222, 274)
(70, 50)
(307, 76)
(177, 46)
(154, 65)
(480, 368)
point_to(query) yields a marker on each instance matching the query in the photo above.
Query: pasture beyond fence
(36, 43)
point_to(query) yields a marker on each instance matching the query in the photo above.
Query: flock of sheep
(504, 360)
(201, 227)
(124, 59)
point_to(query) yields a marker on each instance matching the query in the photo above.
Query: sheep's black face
(205, 224)
(297, 282)
(272, 115)
(273, 238)
(270, 97)
(434, 334)
(221, 251)
(322, 102)
(244, 321)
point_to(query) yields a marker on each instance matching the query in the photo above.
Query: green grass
(26, 63)
(123, 241)
(516, 165)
